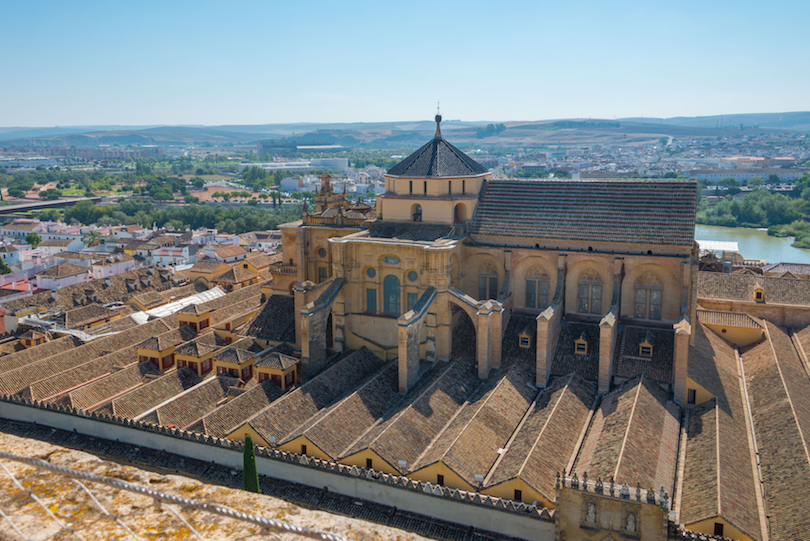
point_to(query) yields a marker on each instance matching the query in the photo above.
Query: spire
(438, 121)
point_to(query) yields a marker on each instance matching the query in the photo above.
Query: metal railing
(268, 526)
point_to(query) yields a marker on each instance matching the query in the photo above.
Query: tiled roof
(7, 248)
(21, 226)
(717, 429)
(235, 275)
(57, 243)
(793, 268)
(14, 381)
(727, 319)
(150, 299)
(335, 428)
(779, 390)
(205, 266)
(276, 360)
(96, 393)
(194, 310)
(166, 340)
(229, 416)
(260, 260)
(409, 231)
(31, 335)
(566, 360)
(275, 321)
(234, 354)
(88, 314)
(63, 270)
(546, 440)
(201, 346)
(423, 415)
(116, 291)
(633, 437)
(75, 256)
(229, 250)
(38, 353)
(437, 158)
(650, 212)
(469, 444)
(296, 407)
(189, 406)
(627, 361)
(154, 393)
(741, 287)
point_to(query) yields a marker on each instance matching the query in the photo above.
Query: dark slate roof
(231, 414)
(628, 363)
(409, 231)
(437, 158)
(650, 211)
(566, 360)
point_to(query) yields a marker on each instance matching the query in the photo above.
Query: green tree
(249, 474)
(32, 239)
(91, 238)
(4, 269)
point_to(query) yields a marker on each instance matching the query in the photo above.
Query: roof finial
(438, 120)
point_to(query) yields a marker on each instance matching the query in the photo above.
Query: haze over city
(253, 62)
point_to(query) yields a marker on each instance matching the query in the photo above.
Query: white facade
(44, 282)
(109, 269)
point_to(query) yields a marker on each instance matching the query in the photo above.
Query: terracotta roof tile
(229, 416)
(154, 393)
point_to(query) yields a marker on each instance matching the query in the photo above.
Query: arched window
(648, 297)
(391, 295)
(536, 288)
(589, 293)
(458, 213)
(487, 282)
(417, 213)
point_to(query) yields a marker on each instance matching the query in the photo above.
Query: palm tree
(91, 238)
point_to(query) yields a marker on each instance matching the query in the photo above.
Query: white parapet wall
(471, 509)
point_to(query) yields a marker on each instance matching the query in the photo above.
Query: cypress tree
(249, 474)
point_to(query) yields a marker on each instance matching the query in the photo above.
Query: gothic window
(391, 295)
(589, 293)
(536, 288)
(321, 274)
(648, 297)
(413, 298)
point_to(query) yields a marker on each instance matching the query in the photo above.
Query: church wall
(377, 463)
(429, 474)
(610, 515)
(289, 245)
(785, 315)
(652, 274)
(294, 446)
(532, 265)
(433, 210)
(739, 336)
(476, 262)
(707, 527)
(581, 267)
(506, 490)
(436, 187)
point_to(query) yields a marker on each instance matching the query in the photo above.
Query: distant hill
(526, 134)
(798, 121)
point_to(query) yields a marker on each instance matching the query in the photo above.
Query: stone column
(496, 317)
(300, 292)
(482, 338)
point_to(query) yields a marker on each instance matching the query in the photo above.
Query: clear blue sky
(253, 62)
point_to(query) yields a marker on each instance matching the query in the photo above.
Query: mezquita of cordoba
(544, 359)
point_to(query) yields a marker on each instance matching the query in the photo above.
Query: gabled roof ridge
(329, 410)
(449, 422)
(639, 385)
(395, 418)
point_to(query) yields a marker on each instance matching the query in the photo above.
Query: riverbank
(755, 243)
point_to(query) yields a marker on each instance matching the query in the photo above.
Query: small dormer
(91, 295)
(759, 294)
(132, 285)
(526, 336)
(581, 345)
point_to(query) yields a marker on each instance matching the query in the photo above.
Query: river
(755, 243)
